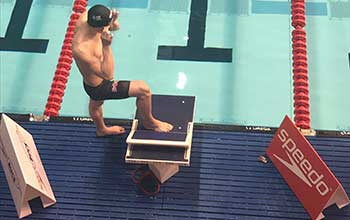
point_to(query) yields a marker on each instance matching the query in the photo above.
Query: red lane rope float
(65, 60)
(300, 66)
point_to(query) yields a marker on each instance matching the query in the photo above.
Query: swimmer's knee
(95, 103)
(139, 89)
(143, 89)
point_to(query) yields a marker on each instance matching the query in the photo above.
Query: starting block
(22, 166)
(164, 151)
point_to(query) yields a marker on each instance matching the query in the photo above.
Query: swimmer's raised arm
(93, 64)
(107, 63)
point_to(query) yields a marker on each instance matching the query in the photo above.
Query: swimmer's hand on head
(115, 14)
(107, 35)
(114, 25)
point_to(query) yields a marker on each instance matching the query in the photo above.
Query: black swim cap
(99, 16)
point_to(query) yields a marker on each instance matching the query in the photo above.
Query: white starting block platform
(164, 151)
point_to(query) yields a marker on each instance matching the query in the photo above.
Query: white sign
(24, 171)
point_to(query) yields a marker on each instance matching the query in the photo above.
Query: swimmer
(92, 53)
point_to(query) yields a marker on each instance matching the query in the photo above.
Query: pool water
(245, 79)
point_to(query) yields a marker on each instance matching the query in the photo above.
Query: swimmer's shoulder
(80, 22)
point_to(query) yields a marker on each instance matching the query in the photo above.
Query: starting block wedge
(22, 166)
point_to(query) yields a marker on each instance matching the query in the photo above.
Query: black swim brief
(108, 89)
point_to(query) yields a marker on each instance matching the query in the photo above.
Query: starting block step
(144, 154)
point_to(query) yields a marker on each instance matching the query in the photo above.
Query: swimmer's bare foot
(114, 130)
(159, 126)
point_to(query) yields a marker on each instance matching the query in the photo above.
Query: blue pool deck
(225, 180)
